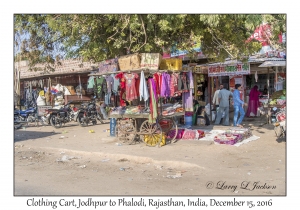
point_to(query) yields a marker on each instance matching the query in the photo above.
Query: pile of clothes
(170, 109)
(132, 110)
(186, 134)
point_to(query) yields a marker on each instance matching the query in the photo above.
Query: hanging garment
(191, 80)
(256, 77)
(157, 79)
(188, 96)
(183, 82)
(165, 85)
(143, 89)
(110, 83)
(116, 84)
(137, 86)
(173, 84)
(101, 87)
(121, 78)
(48, 96)
(91, 82)
(130, 86)
(153, 101)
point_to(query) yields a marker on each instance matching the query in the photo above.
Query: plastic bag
(213, 115)
(207, 108)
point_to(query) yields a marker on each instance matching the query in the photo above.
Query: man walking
(224, 95)
(238, 106)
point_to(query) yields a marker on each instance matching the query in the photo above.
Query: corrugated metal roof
(270, 63)
(257, 60)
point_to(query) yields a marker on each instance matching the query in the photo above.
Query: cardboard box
(129, 62)
(150, 61)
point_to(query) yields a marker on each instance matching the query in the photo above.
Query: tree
(95, 37)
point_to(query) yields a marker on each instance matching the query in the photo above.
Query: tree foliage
(95, 37)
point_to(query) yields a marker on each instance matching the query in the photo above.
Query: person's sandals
(240, 126)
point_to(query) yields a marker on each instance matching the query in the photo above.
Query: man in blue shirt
(238, 106)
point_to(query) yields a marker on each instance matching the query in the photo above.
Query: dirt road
(72, 161)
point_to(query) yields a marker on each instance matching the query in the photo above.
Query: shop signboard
(229, 70)
(42, 110)
(181, 53)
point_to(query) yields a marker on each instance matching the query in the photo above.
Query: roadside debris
(124, 168)
(83, 166)
(177, 175)
(123, 160)
(91, 131)
(105, 160)
(66, 158)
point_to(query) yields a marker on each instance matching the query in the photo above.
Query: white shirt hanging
(256, 77)
(143, 88)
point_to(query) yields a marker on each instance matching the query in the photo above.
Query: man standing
(216, 97)
(238, 106)
(224, 95)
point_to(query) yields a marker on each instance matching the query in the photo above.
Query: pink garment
(253, 102)
(188, 96)
(179, 135)
(173, 84)
(189, 134)
(130, 79)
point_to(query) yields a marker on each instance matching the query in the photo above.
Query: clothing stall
(154, 94)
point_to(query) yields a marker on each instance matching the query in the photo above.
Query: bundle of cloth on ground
(232, 136)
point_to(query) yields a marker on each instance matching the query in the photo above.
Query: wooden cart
(131, 128)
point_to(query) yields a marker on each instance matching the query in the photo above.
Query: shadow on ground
(22, 135)
(281, 139)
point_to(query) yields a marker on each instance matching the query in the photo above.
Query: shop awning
(273, 63)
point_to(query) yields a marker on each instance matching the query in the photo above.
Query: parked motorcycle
(25, 116)
(61, 116)
(88, 113)
(45, 119)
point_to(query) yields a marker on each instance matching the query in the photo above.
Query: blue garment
(116, 83)
(110, 83)
(107, 98)
(236, 98)
(238, 109)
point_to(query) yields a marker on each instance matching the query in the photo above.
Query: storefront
(67, 82)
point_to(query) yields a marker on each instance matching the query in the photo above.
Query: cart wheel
(125, 131)
(152, 133)
(166, 125)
